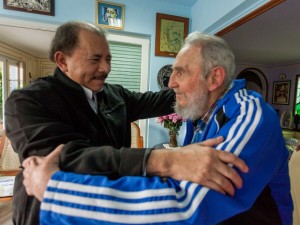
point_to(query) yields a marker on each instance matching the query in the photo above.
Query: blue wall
(140, 18)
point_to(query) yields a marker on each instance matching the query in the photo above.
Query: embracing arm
(36, 127)
(138, 199)
(151, 200)
(209, 167)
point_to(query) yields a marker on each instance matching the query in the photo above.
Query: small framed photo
(110, 15)
(45, 7)
(281, 92)
(170, 34)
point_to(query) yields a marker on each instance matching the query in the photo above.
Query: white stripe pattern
(190, 201)
(244, 122)
(116, 193)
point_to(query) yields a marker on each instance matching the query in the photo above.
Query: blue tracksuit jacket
(251, 130)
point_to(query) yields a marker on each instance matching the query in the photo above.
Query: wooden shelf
(9, 172)
(6, 199)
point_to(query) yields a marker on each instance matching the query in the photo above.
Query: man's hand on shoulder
(199, 163)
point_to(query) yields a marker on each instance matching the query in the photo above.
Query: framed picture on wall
(45, 7)
(170, 33)
(110, 15)
(281, 92)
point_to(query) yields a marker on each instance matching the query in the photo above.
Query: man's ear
(60, 60)
(216, 79)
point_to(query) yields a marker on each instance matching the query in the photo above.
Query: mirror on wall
(255, 80)
(297, 102)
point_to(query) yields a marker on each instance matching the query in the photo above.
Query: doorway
(255, 80)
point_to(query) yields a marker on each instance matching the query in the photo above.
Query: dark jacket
(54, 110)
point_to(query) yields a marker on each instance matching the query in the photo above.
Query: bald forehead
(188, 56)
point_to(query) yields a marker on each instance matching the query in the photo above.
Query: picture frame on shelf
(45, 7)
(170, 34)
(110, 15)
(281, 92)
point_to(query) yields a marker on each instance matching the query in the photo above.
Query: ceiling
(33, 41)
(271, 38)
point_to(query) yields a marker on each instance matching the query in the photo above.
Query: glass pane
(13, 85)
(13, 72)
(298, 90)
(21, 76)
(297, 100)
(1, 100)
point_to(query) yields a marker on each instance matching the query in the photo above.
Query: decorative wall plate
(282, 76)
(163, 76)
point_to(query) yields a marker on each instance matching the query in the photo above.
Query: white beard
(197, 105)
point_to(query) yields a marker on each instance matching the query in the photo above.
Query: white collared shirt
(91, 97)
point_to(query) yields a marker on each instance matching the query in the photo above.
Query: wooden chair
(137, 140)
(9, 161)
(294, 171)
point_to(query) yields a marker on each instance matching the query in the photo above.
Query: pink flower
(172, 121)
(159, 120)
(165, 117)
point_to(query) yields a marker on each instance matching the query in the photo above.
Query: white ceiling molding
(14, 22)
(245, 8)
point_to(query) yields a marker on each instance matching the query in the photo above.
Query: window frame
(144, 82)
(7, 62)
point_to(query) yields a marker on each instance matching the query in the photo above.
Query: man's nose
(104, 66)
(171, 83)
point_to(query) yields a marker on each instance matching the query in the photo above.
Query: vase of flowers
(172, 139)
(172, 122)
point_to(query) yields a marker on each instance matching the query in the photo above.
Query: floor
(6, 213)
